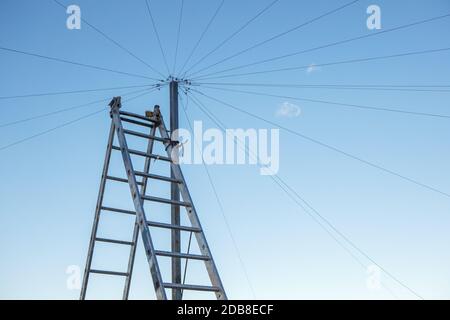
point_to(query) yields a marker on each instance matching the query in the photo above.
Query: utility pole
(175, 195)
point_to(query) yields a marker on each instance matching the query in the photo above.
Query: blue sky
(50, 183)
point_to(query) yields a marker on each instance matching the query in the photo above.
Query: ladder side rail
(140, 214)
(147, 164)
(193, 217)
(97, 212)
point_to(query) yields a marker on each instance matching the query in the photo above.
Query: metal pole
(175, 195)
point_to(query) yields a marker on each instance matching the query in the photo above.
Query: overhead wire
(76, 63)
(113, 41)
(332, 44)
(327, 146)
(222, 210)
(65, 124)
(149, 10)
(199, 92)
(178, 37)
(334, 103)
(44, 115)
(55, 93)
(341, 62)
(202, 35)
(235, 33)
(279, 35)
(407, 88)
(285, 187)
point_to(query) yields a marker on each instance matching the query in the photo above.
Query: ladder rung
(111, 273)
(129, 243)
(168, 201)
(155, 176)
(134, 115)
(118, 210)
(172, 226)
(190, 287)
(121, 180)
(139, 123)
(143, 135)
(144, 154)
(181, 255)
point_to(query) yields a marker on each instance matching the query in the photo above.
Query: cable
(385, 109)
(113, 41)
(60, 126)
(178, 37)
(157, 35)
(186, 263)
(73, 91)
(326, 85)
(278, 35)
(276, 177)
(245, 25)
(332, 44)
(222, 210)
(76, 63)
(51, 113)
(408, 88)
(52, 129)
(280, 182)
(202, 35)
(351, 243)
(331, 63)
(320, 143)
(67, 109)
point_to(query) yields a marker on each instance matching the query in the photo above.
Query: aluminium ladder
(154, 122)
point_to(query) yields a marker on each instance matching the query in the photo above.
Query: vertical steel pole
(175, 195)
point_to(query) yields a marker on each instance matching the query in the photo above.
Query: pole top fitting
(173, 79)
(155, 115)
(115, 103)
(157, 111)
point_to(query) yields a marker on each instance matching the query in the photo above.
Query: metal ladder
(154, 122)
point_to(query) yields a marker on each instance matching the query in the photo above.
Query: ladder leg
(97, 213)
(193, 217)
(147, 163)
(126, 289)
(137, 200)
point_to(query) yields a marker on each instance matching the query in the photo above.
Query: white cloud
(312, 68)
(288, 110)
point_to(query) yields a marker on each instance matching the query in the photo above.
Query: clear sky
(49, 184)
